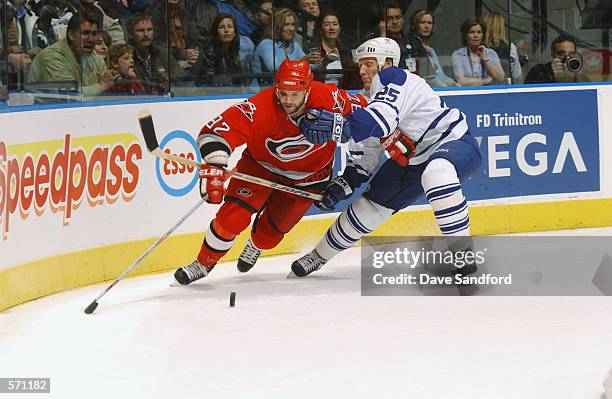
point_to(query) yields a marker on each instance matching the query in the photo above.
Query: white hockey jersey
(401, 100)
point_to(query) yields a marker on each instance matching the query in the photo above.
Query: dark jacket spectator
(204, 12)
(116, 9)
(556, 71)
(53, 16)
(174, 25)
(337, 65)
(220, 54)
(152, 64)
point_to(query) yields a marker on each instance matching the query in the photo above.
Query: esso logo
(174, 178)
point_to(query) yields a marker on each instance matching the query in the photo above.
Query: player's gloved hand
(212, 179)
(336, 190)
(399, 147)
(321, 126)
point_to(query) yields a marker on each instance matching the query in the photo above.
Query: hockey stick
(148, 131)
(93, 305)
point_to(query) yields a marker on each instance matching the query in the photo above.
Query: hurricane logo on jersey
(291, 148)
(247, 108)
(338, 101)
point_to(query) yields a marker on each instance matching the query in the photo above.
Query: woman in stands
(497, 39)
(422, 27)
(220, 54)
(475, 64)
(272, 51)
(337, 65)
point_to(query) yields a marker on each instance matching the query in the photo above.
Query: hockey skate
(466, 270)
(307, 264)
(191, 272)
(248, 257)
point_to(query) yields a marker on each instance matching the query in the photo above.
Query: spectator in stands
(556, 71)
(474, 64)
(53, 17)
(203, 13)
(497, 39)
(422, 26)
(170, 18)
(244, 14)
(391, 25)
(140, 5)
(73, 58)
(220, 54)
(264, 21)
(110, 25)
(116, 9)
(22, 28)
(102, 45)
(311, 13)
(270, 52)
(336, 58)
(19, 52)
(121, 62)
(152, 64)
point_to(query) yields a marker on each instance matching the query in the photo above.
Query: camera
(573, 64)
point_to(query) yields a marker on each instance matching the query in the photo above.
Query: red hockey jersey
(273, 138)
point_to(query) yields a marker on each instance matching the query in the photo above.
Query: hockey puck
(232, 299)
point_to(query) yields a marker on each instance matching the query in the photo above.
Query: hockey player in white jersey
(432, 152)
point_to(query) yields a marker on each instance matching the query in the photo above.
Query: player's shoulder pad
(393, 75)
(321, 93)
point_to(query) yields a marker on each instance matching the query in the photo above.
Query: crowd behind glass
(71, 50)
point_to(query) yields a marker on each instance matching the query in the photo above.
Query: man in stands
(152, 64)
(73, 58)
(277, 151)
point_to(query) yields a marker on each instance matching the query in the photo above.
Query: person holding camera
(565, 66)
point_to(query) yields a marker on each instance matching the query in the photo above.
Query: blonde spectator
(497, 39)
(272, 51)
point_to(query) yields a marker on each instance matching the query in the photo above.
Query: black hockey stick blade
(147, 128)
(91, 308)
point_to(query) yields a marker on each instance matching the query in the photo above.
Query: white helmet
(380, 48)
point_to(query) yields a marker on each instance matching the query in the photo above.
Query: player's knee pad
(438, 172)
(233, 217)
(265, 235)
(360, 218)
(368, 213)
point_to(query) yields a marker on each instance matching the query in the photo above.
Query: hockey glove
(212, 179)
(399, 147)
(336, 190)
(321, 126)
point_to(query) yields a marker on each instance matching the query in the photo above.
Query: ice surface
(305, 338)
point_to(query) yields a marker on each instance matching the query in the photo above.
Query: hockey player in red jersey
(275, 150)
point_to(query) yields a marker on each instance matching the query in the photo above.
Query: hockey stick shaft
(94, 303)
(148, 131)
